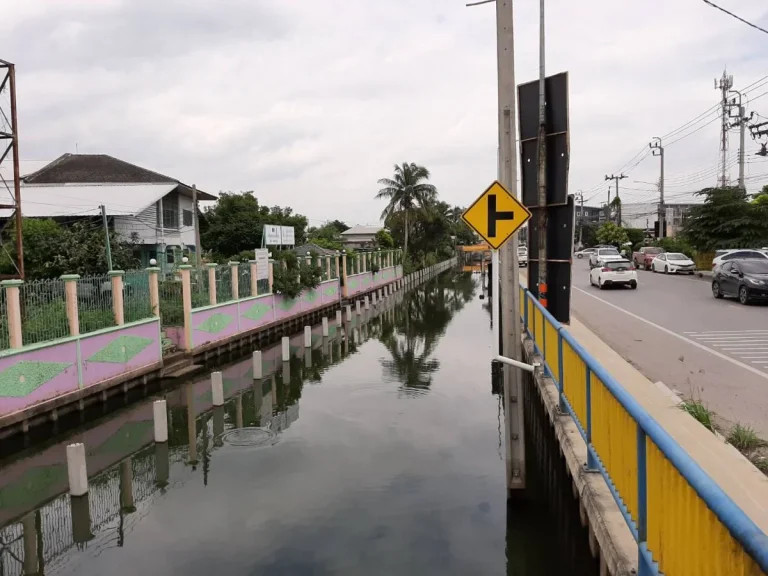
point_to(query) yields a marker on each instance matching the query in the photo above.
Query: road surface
(673, 330)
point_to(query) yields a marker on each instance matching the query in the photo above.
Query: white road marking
(724, 332)
(685, 339)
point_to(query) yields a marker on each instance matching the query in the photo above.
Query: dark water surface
(382, 458)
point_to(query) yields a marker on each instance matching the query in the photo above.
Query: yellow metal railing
(683, 522)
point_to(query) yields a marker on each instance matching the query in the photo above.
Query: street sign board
(287, 237)
(496, 215)
(262, 264)
(271, 235)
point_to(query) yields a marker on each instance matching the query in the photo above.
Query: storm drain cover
(249, 437)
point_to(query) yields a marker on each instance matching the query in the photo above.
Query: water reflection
(356, 482)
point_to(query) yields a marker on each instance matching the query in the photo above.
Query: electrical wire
(747, 22)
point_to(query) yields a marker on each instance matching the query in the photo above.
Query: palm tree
(406, 191)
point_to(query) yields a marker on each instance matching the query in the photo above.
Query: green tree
(236, 223)
(406, 192)
(726, 219)
(610, 233)
(384, 239)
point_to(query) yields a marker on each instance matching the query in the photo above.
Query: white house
(153, 210)
(360, 236)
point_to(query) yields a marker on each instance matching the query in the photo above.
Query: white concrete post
(307, 337)
(212, 283)
(325, 326)
(359, 307)
(286, 343)
(349, 313)
(160, 413)
(234, 270)
(254, 278)
(258, 369)
(338, 317)
(367, 303)
(77, 470)
(217, 388)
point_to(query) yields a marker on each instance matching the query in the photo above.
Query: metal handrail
(742, 528)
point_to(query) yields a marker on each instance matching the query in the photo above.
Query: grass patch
(745, 439)
(700, 412)
(761, 463)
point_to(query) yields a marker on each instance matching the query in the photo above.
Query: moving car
(522, 256)
(722, 256)
(603, 255)
(645, 255)
(586, 252)
(745, 279)
(673, 263)
(614, 273)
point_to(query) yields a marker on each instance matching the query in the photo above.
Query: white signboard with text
(271, 235)
(262, 264)
(287, 237)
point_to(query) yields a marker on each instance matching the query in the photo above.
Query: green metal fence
(171, 302)
(200, 293)
(244, 280)
(136, 301)
(224, 283)
(94, 300)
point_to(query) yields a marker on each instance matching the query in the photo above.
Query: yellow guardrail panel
(614, 436)
(531, 308)
(538, 328)
(575, 383)
(684, 535)
(551, 338)
(522, 303)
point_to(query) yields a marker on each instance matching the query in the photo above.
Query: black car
(745, 279)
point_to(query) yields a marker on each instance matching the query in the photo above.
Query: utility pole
(724, 85)
(741, 122)
(508, 270)
(618, 199)
(658, 150)
(106, 235)
(198, 259)
(542, 162)
(580, 196)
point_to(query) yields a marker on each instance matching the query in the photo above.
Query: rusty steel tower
(10, 178)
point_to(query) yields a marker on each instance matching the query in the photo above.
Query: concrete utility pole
(542, 162)
(198, 259)
(509, 271)
(106, 235)
(580, 197)
(741, 122)
(724, 85)
(618, 199)
(658, 150)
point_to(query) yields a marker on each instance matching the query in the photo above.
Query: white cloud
(309, 103)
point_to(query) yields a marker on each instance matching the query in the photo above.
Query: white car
(586, 252)
(522, 256)
(722, 256)
(602, 255)
(614, 273)
(673, 263)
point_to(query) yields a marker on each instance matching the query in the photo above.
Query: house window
(170, 214)
(187, 217)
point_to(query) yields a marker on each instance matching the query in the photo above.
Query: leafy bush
(291, 275)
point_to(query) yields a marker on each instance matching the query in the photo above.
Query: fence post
(186, 296)
(642, 503)
(560, 377)
(271, 275)
(591, 461)
(117, 296)
(13, 310)
(344, 283)
(154, 290)
(212, 283)
(254, 279)
(234, 270)
(336, 265)
(327, 267)
(70, 294)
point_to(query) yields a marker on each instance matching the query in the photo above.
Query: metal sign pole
(495, 304)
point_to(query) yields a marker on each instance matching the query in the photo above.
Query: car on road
(722, 256)
(645, 255)
(522, 256)
(747, 280)
(614, 273)
(673, 263)
(586, 252)
(603, 255)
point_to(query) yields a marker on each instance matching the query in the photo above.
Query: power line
(747, 22)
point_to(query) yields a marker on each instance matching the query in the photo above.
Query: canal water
(380, 453)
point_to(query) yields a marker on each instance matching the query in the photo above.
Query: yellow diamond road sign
(496, 215)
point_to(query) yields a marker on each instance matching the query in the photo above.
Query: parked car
(745, 279)
(522, 256)
(614, 273)
(645, 255)
(673, 263)
(603, 255)
(722, 256)
(586, 252)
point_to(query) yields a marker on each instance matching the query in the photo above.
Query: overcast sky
(308, 103)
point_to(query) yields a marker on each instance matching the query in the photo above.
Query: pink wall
(106, 355)
(256, 312)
